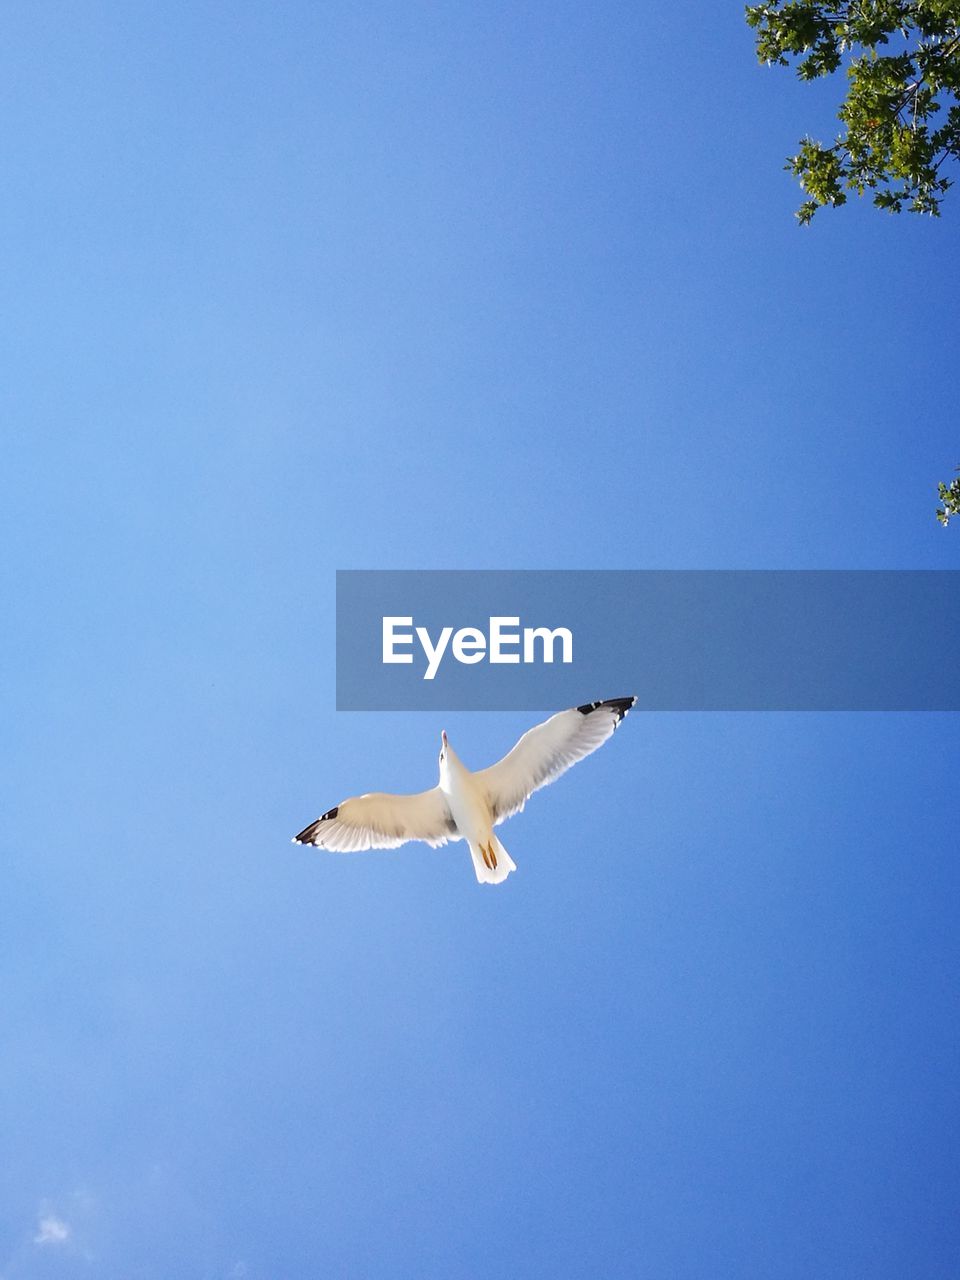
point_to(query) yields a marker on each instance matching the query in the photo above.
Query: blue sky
(451, 286)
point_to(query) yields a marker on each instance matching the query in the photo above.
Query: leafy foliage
(901, 114)
(950, 501)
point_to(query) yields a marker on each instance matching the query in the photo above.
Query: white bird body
(467, 801)
(466, 805)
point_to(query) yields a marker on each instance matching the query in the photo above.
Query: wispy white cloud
(60, 1229)
(51, 1230)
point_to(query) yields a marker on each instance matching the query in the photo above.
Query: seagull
(465, 805)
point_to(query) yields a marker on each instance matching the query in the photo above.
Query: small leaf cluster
(901, 113)
(949, 500)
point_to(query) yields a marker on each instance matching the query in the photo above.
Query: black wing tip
(309, 834)
(620, 705)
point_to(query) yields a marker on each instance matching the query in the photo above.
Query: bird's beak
(443, 736)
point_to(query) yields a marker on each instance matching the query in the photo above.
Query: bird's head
(446, 751)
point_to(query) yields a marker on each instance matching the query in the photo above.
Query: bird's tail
(491, 861)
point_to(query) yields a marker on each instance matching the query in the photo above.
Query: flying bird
(465, 805)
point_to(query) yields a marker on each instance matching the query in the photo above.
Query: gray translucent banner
(681, 640)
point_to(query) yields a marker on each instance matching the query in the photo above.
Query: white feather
(544, 753)
(382, 821)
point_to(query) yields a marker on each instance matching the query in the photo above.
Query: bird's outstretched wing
(381, 821)
(546, 751)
